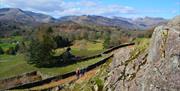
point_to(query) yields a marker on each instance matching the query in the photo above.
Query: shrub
(1, 51)
(17, 47)
(61, 42)
(11, 51)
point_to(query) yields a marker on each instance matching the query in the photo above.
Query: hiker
(77, 73)
(82, 71)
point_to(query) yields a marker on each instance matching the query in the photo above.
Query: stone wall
(19, 80)
(58, 77)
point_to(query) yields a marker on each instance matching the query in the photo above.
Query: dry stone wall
(19, 80)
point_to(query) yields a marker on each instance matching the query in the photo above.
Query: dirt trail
(86, 76)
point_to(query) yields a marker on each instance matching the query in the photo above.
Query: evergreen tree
(62, 42)
(106, 42)
(41, 48)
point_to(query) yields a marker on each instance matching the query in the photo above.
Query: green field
(6, 43)
(89, 48)
(14, 65)
(5, 46)
(11, 65)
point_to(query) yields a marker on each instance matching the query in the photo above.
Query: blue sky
(109, 8)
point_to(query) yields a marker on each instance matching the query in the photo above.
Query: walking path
(86, 76)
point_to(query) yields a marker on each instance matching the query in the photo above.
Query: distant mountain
(25, 17)
(125, 23)
(144, 23)
(149, 22)
(122, 18)
(98, 20)
(31, 18)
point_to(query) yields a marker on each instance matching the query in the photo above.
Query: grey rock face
(125, 71)
(164, 59)
(155, 70)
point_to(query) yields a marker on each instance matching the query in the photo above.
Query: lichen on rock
(157, 69)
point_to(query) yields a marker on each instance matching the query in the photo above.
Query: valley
(81, 45)
(18, 62)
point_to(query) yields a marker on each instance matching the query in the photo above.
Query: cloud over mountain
(110, 8)
(58, 8)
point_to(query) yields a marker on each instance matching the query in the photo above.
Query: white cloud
(82, 3)
(59, 8)
(92, 8)
(40, 5)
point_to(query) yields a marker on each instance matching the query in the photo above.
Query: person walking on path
(77, 73)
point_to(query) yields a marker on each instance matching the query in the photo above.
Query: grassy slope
(62, 70)
(14, 65)
(91, 48)
(142, 43)
(141, 46)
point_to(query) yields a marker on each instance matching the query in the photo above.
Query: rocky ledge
(155, 69)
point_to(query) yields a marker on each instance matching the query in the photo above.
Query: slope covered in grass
(84, 48)
(14, 65)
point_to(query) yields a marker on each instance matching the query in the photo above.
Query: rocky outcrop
(164, 58)
(157, 69)
(126, 66)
